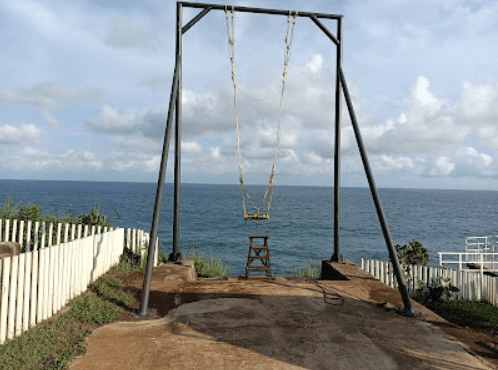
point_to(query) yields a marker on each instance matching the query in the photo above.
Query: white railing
(471, 283)
(480, 261)
(479, 244)
(36, 285)
(33, 236)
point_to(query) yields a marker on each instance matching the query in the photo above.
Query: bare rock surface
(275, 324)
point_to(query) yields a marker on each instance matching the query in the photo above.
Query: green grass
(206, 266)
(54, 343)
(311, 270)
(472, 314)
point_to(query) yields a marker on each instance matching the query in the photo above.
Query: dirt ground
(284, 323)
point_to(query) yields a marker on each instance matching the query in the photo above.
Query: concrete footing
(332, 270)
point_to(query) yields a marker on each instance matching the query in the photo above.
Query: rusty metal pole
(408, 309)
(159, 198)
(337, 256)
(176, 256)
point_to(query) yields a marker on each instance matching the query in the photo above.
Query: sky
(85, 88)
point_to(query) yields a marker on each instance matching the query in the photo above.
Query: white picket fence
(34, 236)
(35, 285)
(471, 284)
(38, 283)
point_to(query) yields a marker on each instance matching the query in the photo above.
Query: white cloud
(122, 162)
(215, 152)
(442, 167)
(110, 121)
(191, 147)
(315, 64)
(47, 97)
(37, 159)
(24, 133)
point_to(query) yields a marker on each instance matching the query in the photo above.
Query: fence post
(50, 232)
(5, 298)
(19, 296)
(73, 231)
(35, 287)
(14, 230)
(21, 233)
(66, 232)
(27, 290)
(28, 237)
(7, 229)
(44, 230)
(133, 240)
(12, 297)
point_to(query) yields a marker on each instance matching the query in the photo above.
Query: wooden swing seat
(256, 217)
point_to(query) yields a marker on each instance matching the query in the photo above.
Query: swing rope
(231, 46)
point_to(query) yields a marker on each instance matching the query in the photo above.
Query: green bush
(439, 290)
(33, 213)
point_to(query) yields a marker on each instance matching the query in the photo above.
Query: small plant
(312, 271)
(411, 254)
(206, 266)
(439, 290)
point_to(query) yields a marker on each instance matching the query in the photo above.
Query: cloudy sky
(85, 89)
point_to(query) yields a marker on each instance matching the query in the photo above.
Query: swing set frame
(175, 109)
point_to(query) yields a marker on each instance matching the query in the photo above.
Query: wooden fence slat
(66, 232)
(65, 273)
(57, 277)
(27, 291)
(4, 303)
(71, 262)
(50, 233)
(51, 278)
(46, 267)
(14, 230)
(35, 287)
(28, 237)
(7, 229)
(21, 233)
(20, 294)
(12, 297)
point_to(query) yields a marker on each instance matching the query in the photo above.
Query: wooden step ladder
(265, 259)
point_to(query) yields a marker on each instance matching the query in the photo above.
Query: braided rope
(231, 47)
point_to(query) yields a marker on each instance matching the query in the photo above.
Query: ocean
(301, 226)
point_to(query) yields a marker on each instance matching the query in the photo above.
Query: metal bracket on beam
(324, 29)
(196, 19)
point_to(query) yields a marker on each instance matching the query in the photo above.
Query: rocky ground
(285, 323)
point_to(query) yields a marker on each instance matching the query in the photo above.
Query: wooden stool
(265, 259)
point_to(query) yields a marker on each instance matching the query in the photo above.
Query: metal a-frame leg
(408, 309)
